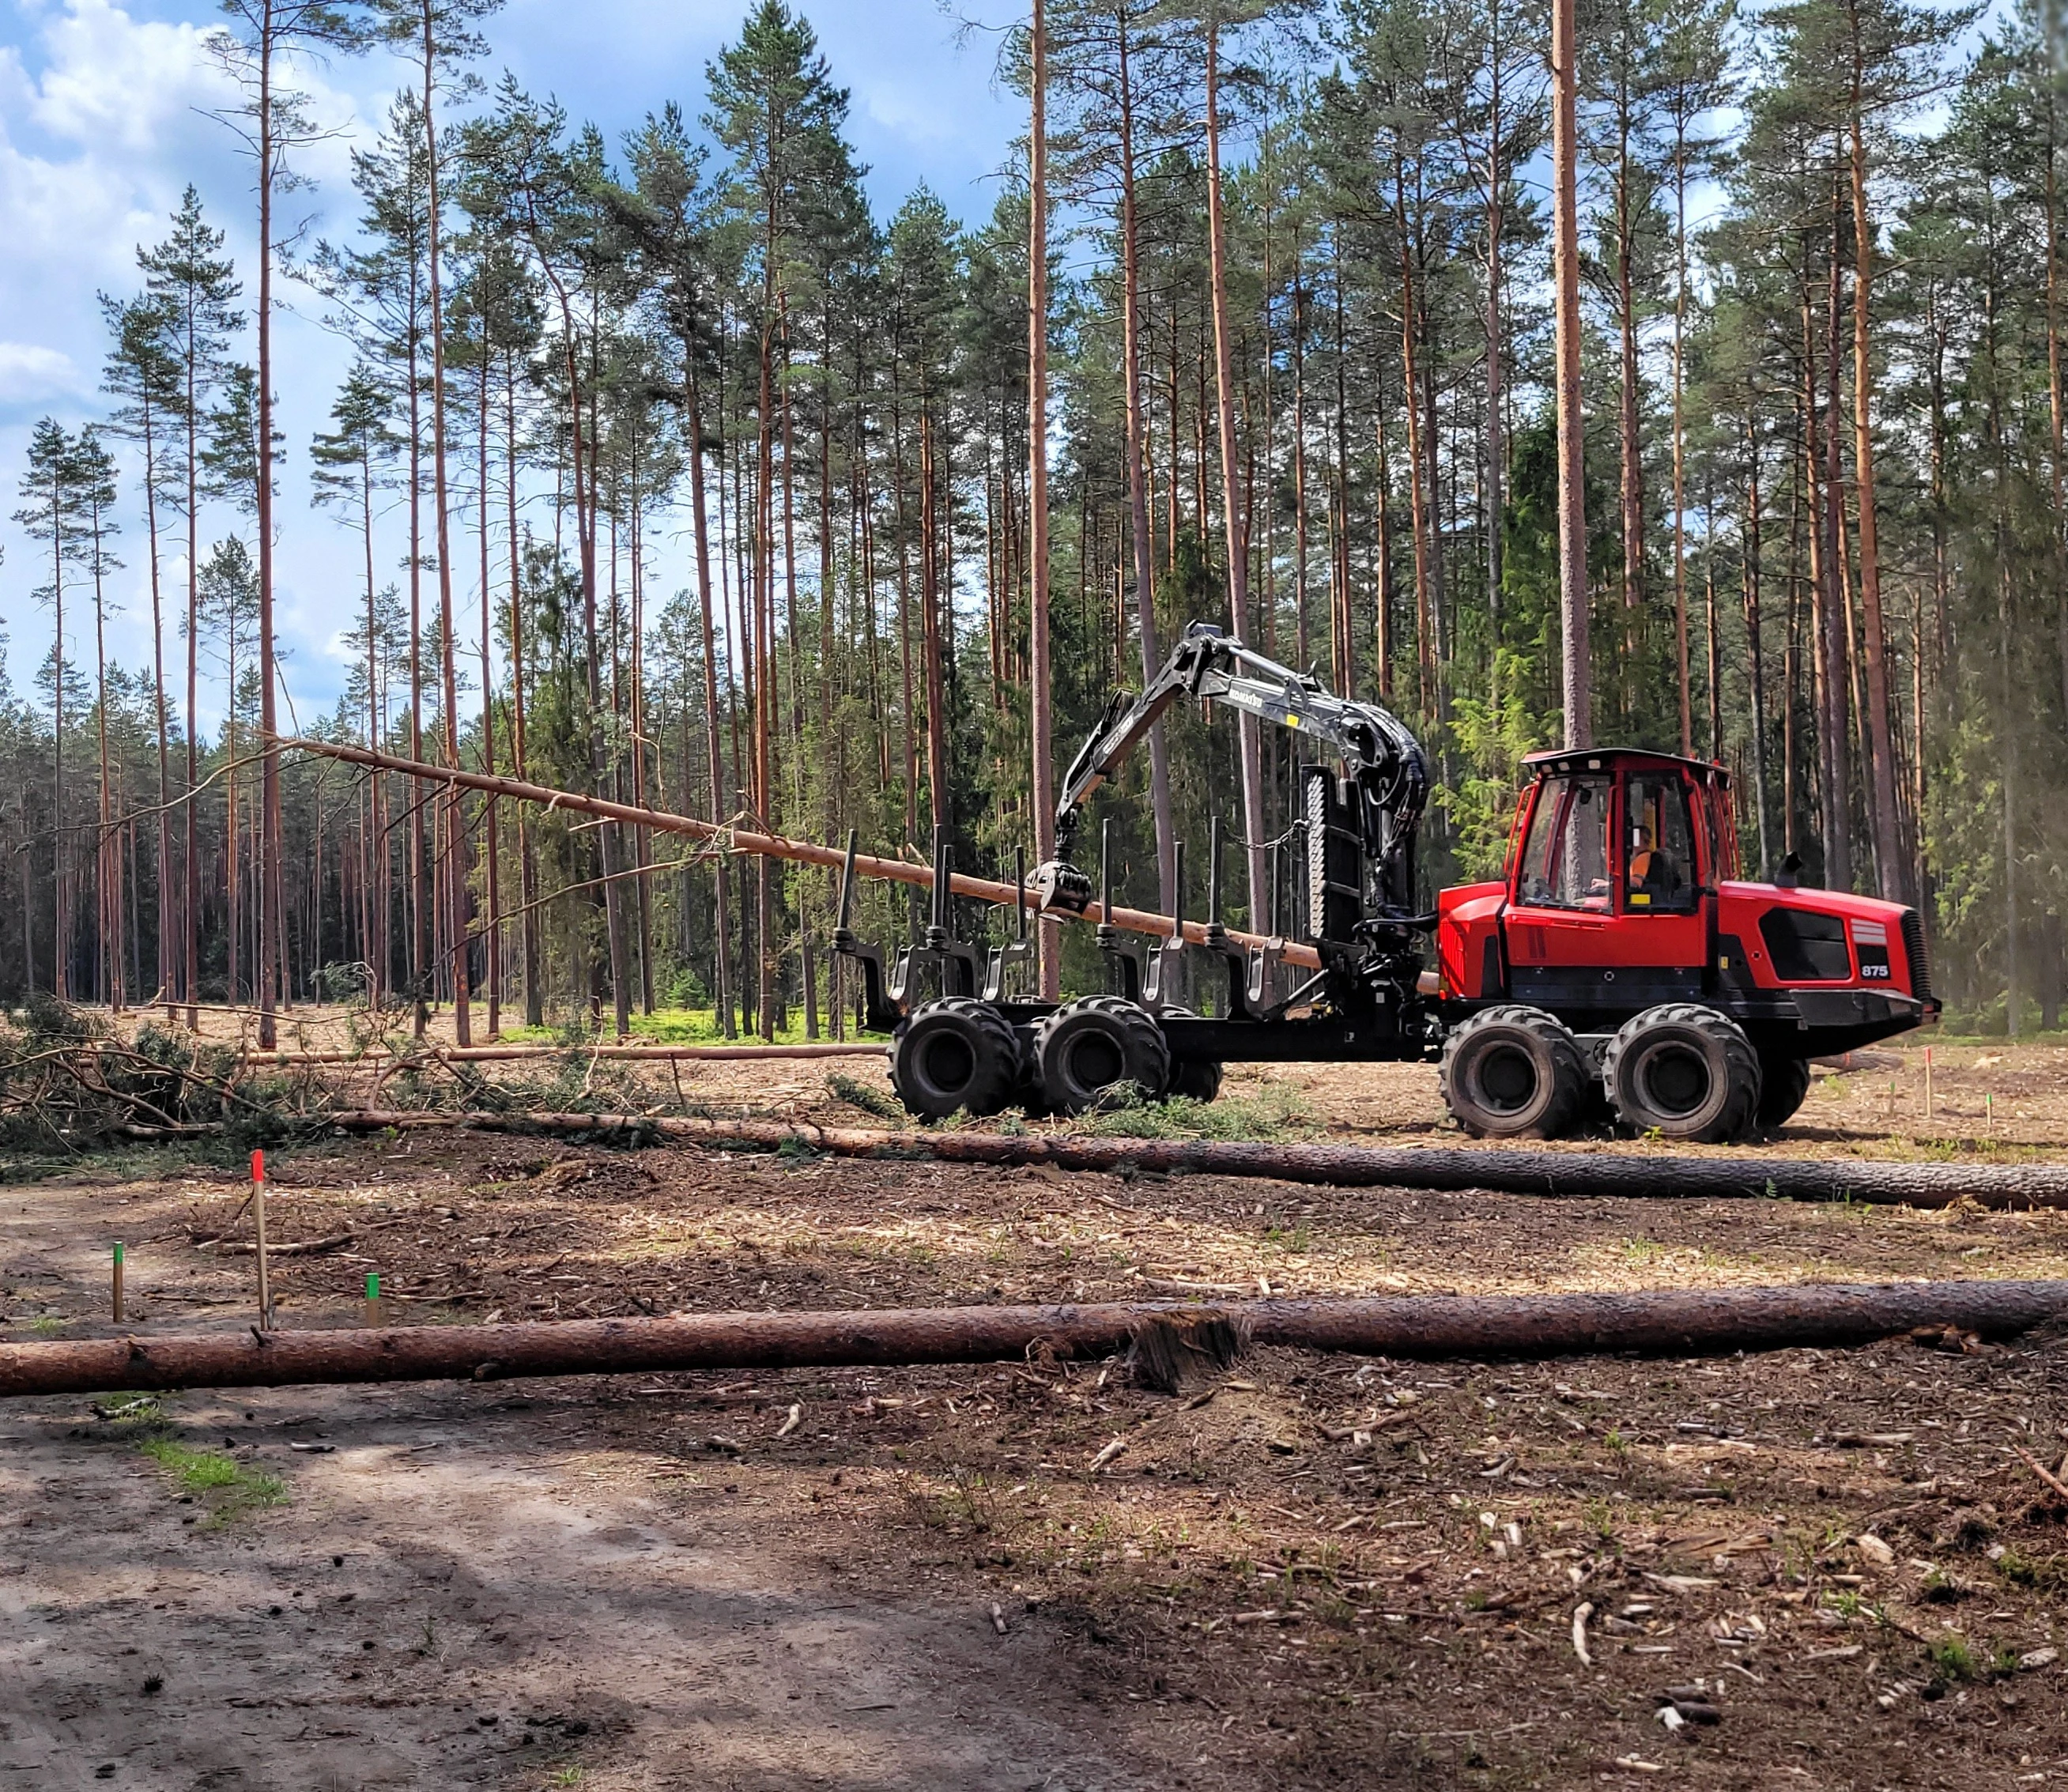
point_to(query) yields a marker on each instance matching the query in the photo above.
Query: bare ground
(1307, 1578)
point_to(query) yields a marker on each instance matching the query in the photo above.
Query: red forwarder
(1620, 963)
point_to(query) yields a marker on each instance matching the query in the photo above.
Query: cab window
(1659, 873)
(1565, 859)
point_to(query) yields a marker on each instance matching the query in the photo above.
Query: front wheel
(1513, 1073)
(1686, 1073)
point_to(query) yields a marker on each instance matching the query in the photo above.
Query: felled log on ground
(500, 1054)
(1675, 1322)
(2009, 1185)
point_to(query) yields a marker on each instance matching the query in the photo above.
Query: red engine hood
(1817, 901)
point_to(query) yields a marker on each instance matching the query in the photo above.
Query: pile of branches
(71, 1083)
(68, 1085)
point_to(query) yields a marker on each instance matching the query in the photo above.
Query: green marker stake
(372, 1297)
(118, 1282)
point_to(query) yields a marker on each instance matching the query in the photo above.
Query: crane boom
(1383, 761)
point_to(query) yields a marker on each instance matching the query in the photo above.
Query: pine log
(500, 1054)
(2011, 1187)
(740, 840)
(1675, 1322)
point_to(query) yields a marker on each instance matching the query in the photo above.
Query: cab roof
(1621, 759)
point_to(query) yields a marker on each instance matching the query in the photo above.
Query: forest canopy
(1296, 330)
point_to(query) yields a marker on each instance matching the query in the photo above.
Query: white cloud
(30, 372)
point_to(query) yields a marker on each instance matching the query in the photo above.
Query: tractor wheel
(1783, 1082)
(952, 1055)
(1513, 1073)
(1089, 1045)
(1683, 1072)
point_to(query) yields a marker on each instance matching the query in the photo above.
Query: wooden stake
(258, 1216)
(1927, 1082)
(373, 1297)
(117, 1275)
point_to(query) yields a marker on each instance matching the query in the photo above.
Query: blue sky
(103, 122)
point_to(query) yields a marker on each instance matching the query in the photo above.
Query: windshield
(1565, 859)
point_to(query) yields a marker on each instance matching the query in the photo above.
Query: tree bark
(1576, 657)
(1895, 881)
(1671, 1322)
(1137, 477)
(1249, 736)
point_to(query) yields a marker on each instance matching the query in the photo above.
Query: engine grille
(1913, 949)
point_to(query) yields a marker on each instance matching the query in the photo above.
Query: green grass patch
(1276, 1112)
(664, 1027)
(226, 1486)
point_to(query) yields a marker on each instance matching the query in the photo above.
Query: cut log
(740, 840)
(500, 1054)
(1675, 1322)
(1569, 1174)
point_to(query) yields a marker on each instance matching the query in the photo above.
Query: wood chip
(1107, 1454)
(1580, 1615)
(795, 1417)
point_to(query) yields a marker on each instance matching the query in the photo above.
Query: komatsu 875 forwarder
(1621, 960)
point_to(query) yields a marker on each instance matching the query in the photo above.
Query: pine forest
(669, 468)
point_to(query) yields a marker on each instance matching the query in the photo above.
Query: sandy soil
(1313, 1571)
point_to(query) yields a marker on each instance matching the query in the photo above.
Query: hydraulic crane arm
(1380, 756)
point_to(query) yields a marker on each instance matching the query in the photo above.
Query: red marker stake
(259, 1214)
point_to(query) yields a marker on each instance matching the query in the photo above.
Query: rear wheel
(1089, 1045)
(1684, 1072)
(1783, 1083)
(1513, 1073)
(954, 1055)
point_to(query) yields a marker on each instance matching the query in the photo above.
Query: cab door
(1561, 905)
(1665, 881)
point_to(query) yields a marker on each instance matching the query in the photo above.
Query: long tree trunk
(723, 896)
(1425, 643)
(191, 867)
(455, 830)
(164, 939)
(1494, 450)
(1137, 475)
(491, 857)
(1576, 654)
(1236, 524)
(1755, 658)
(1040, 698)
(1834, 746)
(268, 880)
(1895, 882)
(1679, 429)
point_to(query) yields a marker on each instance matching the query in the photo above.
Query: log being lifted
(1672, 1323)
(800, 852)
(2009, 1186)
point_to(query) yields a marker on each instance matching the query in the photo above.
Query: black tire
(1513, 1073)
(1089, 1045)
(1783, 1083)
(954, 1055)
(1684, 1072)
